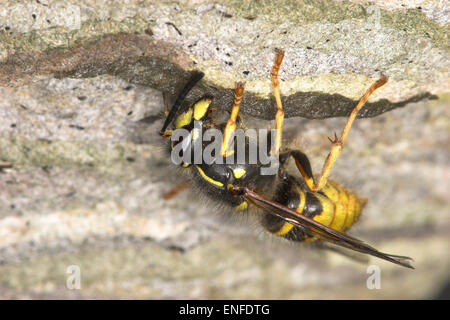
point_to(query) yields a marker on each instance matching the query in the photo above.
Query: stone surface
(334, 49)
(83, 171)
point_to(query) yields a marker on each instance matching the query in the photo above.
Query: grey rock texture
(83, 171)
(334, 49)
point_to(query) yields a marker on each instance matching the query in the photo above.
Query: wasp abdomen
(334, 206)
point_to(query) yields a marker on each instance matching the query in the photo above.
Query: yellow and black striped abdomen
(334, 206)
(348, 205)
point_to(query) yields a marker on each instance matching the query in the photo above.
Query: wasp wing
(321, 231)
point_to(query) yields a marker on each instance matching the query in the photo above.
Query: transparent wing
(321, 231)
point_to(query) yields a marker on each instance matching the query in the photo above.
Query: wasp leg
(166, 103)
(276, 90)
(176, 190)
(231, 124)
(303, 165)
(338, 143)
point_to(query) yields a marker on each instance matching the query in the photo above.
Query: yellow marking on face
(238, 173)
(285, 228)
(183, 119)
(201, 107)
(241, 207)
(210, 180)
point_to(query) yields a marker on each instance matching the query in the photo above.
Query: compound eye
(229, 174)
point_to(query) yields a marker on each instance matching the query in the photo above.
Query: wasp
(296, 207)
